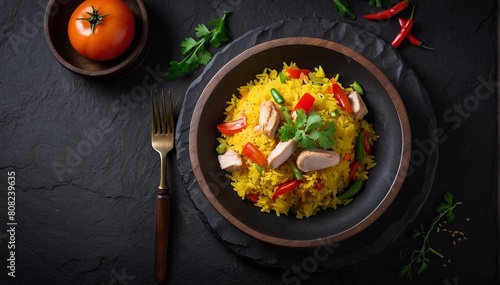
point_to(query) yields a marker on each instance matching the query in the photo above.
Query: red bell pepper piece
(254, 197)
(341, 97)
(318, 185)
(233, 127)
(305, 102)
(367, 145)
(295, 72)
(286, 187)
(254, 154)
(352, 172)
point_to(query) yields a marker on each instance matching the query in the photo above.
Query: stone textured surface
(86, 174)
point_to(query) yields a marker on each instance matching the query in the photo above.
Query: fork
(162, 140)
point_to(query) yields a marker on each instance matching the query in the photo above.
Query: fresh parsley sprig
(418, 255)
(195, 51)
(342, 6)
(308, 131)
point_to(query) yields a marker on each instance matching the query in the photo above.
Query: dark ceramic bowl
(56, 22)
(392, 150)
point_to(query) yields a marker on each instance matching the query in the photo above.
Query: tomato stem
(94, 19)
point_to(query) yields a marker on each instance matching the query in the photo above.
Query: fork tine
(164, 113)
(171, 114)
(153, 112)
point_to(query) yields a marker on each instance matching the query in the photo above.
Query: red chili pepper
(405, 30)
(386, 14)
(352, 172)
(295, 72)
(233, 127)
(341, 97)
(305, 102)
(411, 38)
(286, 187)
(368, 146)
(254, 154)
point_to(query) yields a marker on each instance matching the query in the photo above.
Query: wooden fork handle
(162, 229)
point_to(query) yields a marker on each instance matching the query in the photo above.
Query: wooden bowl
(56, 22)
(387, 114)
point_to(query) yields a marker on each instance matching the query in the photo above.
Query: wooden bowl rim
(141, 46)
(336, 47)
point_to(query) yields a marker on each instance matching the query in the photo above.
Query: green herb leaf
(195, 51)
(314, 121)
(201, 30)
(448, 197)
(308, 131)
(418, 255)
(342, 6)
(376, 3)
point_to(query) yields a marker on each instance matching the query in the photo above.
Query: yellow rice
(306, 200)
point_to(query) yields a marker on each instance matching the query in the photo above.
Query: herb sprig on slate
(195, 51)
(418, 255)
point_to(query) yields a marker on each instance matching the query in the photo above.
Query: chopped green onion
(221, 148)
(282, 78)
(296, 171)
(355, 85)
(277, 96)
(259, 168)
(335, 113)
(288, 118)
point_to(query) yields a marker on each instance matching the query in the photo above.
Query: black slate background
(94, 222)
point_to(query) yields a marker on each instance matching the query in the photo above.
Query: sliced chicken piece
(230, 161)
(269, 119)
(281, 153)
(359, 109)
(317, 159)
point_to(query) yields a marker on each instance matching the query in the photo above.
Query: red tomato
(305, 102)
(233, 127)
(295, 72)
(254, 154)
(286, 187)
(101, 29)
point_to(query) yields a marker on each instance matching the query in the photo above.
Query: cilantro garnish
(308, 131)
(195, 50)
